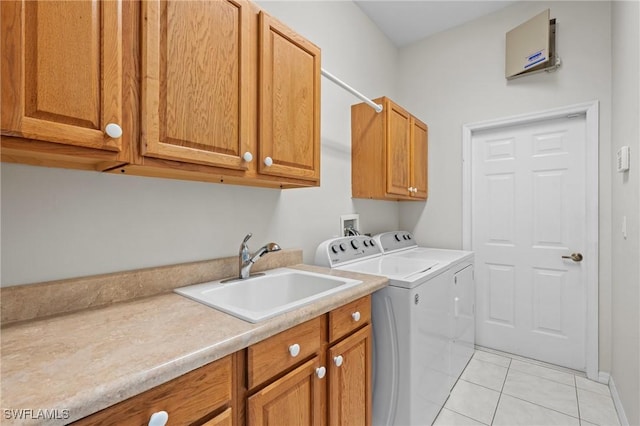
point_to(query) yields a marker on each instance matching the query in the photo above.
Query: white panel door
(528, 211)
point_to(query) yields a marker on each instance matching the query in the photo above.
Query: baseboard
(616, 401)
(604, 377)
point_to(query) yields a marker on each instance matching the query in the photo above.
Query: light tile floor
(499, 390)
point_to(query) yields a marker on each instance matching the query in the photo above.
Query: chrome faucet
(246, 260)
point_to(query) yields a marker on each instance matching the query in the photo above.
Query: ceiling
(405, 22)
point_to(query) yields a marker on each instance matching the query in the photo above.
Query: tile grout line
(542, 406)
(534, 403)
(532, 361)
(493, 418)
(575, 381)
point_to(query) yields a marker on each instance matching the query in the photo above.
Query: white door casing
(529, 198)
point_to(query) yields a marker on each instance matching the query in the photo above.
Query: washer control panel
(395, 240)
(346, 249)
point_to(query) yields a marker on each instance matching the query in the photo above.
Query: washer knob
(334, 249)
(343, 247)
(355, 244)
(397, 237)
(372, 242)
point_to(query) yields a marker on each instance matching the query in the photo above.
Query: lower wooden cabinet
(349, 396)
(316, 373)
(291, 400)
(190, 399)
(331, 386)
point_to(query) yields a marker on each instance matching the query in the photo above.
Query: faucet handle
(249, 235)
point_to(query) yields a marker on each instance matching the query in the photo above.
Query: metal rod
(345, 86)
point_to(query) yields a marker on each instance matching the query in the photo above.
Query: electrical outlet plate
(349, 221)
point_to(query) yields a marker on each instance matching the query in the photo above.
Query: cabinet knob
(320, 372)
(248, 157)
(268, 161)
(356, 316)
(415, 189)
(338, 360)
(410, 189)
(294, 350)
(159, 418)
(113, 130)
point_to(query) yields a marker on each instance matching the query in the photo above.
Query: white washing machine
(411, 327)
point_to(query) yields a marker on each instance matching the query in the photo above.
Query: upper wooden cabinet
(226, 85)
(62, 75)
(195, 88)
(419, 158)
(388, 153)
(203, 90)
(289, 125)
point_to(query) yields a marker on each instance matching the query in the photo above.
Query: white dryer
(457, 265)
(411, 328)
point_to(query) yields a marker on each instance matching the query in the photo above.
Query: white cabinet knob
(337, 360)
(248, 157)
(113, 130)
(356, 316)
(415, 189)
(268, 161)
(159, 419)
(320, 372)
(410, 189)
(294, 350)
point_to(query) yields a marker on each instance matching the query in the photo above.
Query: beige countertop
(89, 360)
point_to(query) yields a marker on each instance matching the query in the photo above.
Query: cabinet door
(419, 159)
(398, 150)
(62, 71)
(289, 129)
(222, 419)
(350, 380)
(194, 81)
(292, 400)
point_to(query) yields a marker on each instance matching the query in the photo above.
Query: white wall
(625, 369)
(60, 223)
(457, 77)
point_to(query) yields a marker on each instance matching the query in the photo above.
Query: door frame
(591, 109)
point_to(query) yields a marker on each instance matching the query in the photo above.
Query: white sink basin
(259, 298)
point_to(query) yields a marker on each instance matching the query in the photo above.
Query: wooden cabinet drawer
(187, 398)
(349, 317)
(272, 356)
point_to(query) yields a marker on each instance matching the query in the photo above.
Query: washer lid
(394, 268)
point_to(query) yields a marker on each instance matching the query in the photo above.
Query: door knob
(576, 257)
